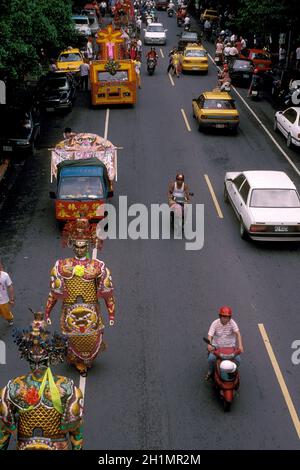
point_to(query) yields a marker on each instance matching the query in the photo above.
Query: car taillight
(258, 228)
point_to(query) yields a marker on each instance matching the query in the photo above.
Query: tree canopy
(29, 26)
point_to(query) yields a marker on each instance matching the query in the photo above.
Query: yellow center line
(214, 197)
(280, 379)
(171, 79)
(162, 54)
(185, 120)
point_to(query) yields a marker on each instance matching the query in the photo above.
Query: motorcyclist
(178, 188)
(171, 6)
(256, 83)
(152, 54)
(187, 21)
(223, 333)
(180, 15)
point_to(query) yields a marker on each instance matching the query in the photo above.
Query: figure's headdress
(82, 232)
(38, 346)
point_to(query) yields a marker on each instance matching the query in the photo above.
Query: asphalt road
(147, 390)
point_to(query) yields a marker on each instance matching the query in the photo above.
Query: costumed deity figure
(42, 410)
(79, 282)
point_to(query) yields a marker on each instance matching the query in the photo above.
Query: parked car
(56, 91)
(194, 58)
(216, 109)
(260, 58)
(188, 37)
(266, 203)
(288, 123)
(162, 5)
(19, 130)
(155, 34)
(241, 71)
(70, 61)
(93, 19)
(82, 25)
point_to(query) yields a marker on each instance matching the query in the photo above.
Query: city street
(146, 391)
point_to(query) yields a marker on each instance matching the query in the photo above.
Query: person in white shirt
(84, 75)
(298, 58)
(7, 298)
(223, 333)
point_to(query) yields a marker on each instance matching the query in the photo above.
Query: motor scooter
(151, 64)
(226, 375)
(178, 212)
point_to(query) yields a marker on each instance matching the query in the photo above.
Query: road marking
(185, 120)
(162, 54)
(82, 383)
(106, 124)
(214, 197)
(262, 125)
(171, 79)
(280, 379)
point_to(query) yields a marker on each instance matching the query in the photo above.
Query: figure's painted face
(80, 249)
(38, 356)
(85, 140)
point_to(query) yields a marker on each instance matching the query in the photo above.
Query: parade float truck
(84, 168)
(112, 76)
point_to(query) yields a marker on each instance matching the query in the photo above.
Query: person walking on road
(7, 298)
(84, 75)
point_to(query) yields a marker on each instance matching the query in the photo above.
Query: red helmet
(255, 71)
(225, 311)
(180, 177)
(225, 67)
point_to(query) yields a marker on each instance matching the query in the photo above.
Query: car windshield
(155, 29)
(56, 84)
(189, 37)
(211, 12)
(260, 56)
(72, 57)
(195, 53)
(242, 64)
(274, 198)
(120, 76)
(80, 187)
(82, 21)
(218, 104)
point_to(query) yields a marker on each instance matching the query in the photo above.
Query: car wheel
(289, 141)
(225, 195)
(243, 231)
(275, 127)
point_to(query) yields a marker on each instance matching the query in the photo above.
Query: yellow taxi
(194, 58)
(211, 15)
(216, 109)
(69, 60)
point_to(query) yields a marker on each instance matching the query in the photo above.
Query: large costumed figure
(79, 282)
(43, 411)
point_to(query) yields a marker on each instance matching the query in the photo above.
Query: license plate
(246, 75)
(279, 228)
(254, 93)
(196, 68)
(7, 148)
(217, 59)
(50, 110)
(220, 126)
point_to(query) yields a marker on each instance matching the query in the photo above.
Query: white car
(155, 34)
(82, 25)
(288, 122)
(266, 203)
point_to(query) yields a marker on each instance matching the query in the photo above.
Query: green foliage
(26, 27)
(265, 16)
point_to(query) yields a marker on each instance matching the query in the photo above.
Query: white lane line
(186, 120)
(82, 383)
(281, 381)
(262, 125)
(162, 54)
(171, 79)
(214, 197)
(106, 124)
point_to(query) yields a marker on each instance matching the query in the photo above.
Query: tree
(29, 26)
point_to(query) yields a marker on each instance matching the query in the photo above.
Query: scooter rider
(256, 83)
(152, 54)
(223, 333)
(187, 21)
(178, 189)
(224, 78)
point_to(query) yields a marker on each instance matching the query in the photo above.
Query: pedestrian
(52, 66)
(89, 49)
(298, 58)
(176, 63)
(84, 75)
(170, 66)
(7, 298)
(281, 55)
(103, 7)
(137, 65)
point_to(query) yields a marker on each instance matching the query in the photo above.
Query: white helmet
(228, 366)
